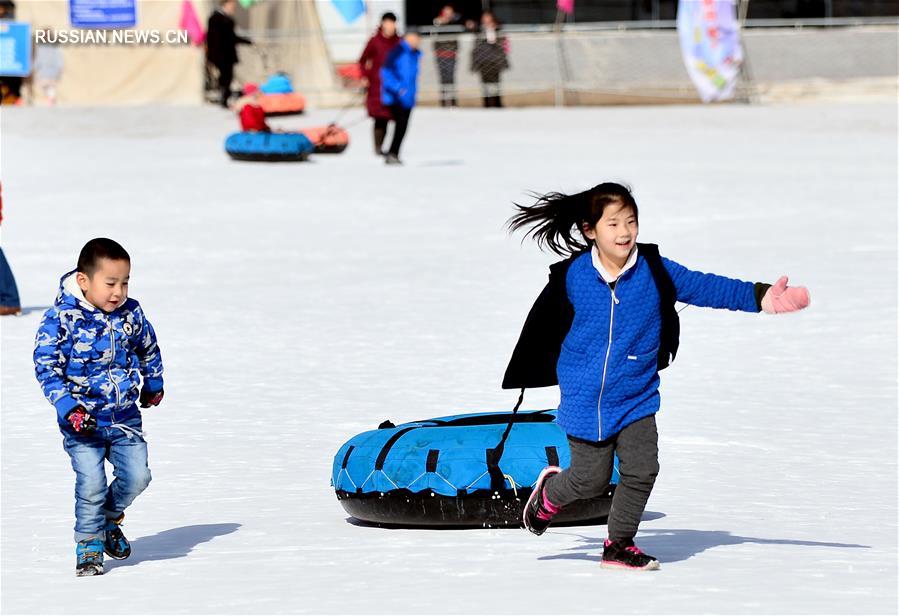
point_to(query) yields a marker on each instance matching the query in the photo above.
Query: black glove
(150, 398)
(81, 421)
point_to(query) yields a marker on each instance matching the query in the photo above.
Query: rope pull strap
(497, 477)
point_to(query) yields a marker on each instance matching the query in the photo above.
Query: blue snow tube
(268, 147)
(472, 470)
(279, 83)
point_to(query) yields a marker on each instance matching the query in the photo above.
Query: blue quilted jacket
(399, 76)
(85, 356)
(607, 368)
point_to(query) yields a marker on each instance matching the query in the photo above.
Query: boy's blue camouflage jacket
(84, 356)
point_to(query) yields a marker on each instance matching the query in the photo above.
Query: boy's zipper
(118, 394)
(605, 364)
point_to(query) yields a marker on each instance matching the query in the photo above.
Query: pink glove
(781, 298)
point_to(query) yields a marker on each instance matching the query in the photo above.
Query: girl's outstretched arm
(713, 291)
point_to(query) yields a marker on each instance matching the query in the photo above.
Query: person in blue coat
(96, 358)
(9, 292)
(399, 83)
(602, 329)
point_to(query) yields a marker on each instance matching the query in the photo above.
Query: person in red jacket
(371, 61)
(252, 115)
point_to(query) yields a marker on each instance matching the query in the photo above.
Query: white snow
(299, 304)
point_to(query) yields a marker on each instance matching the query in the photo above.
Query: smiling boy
(92, 350)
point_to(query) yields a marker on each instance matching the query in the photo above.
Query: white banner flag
(710, 44)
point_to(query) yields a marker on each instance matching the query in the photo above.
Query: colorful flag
(566, 6)
(191, 23)
(710, 45)
(349, 9)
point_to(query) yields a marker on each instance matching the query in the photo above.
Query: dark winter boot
(89, 557)
(538, 511)
(623, 554)
(380, 133)
(116, 545)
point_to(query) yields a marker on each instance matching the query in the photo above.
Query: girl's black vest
(533, 362)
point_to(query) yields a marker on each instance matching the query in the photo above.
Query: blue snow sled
(268, 147)
(460, 471)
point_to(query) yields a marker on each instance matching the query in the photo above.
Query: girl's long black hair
(556, 220)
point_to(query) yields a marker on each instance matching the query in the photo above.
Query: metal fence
(544, 11)
(622, 64)
(630, 63)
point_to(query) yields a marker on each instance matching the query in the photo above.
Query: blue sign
(349, 9)
(103, 13)
(15, 49)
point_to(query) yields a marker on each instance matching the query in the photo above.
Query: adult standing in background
(489, 58)
(9, 293)
(371, 62)
(446, 48)
(47, 69)
(221, 45)
(399, 86)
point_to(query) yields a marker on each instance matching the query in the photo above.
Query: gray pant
(590, 472)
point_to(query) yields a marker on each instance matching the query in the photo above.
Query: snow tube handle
(497, 477)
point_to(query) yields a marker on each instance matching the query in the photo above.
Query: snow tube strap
(488, 420)
(382, 457)
(497, 478)
(431, 464)
(346, 458)
(552, 456)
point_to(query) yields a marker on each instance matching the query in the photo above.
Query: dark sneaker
(623, 554)
(538, 511)
(392, 159)
(116, 545)
(89, 557)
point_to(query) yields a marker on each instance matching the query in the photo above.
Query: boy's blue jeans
(95, 503)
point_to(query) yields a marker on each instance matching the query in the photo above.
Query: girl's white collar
(597, 264)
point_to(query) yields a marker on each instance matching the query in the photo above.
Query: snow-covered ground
(299, 304)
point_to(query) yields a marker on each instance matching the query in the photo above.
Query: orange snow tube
(282, 104)
(330, 139)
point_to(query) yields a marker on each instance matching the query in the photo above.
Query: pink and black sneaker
(539, 511)
(623, 554)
